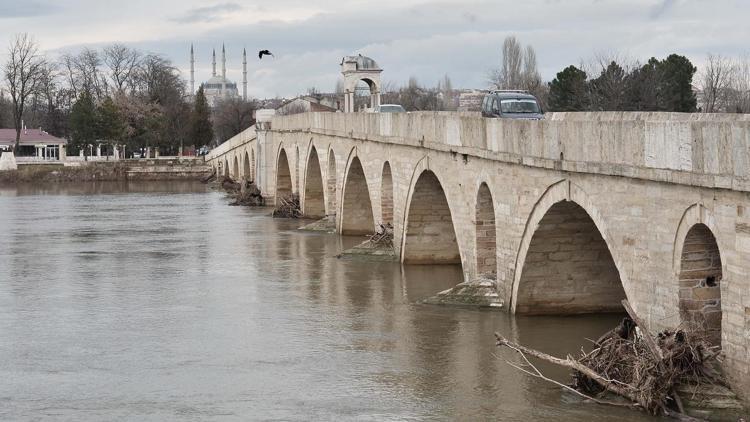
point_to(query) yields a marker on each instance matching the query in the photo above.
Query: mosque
(218, 87)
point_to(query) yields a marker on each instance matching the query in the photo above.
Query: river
(157, 301)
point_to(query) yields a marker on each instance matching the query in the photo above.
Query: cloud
(662, 8)
(208, 14)
(26, 9)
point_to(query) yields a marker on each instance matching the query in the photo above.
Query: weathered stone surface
(639, 182)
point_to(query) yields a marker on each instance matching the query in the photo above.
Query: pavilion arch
(429, 234)
(331, 183)
(356, 215)
(246, 172)
(314, 199)
(386, 194)
(486, 234)
(565, 264)
(283, 176)
(699, 269)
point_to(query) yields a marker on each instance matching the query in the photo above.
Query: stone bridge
(567, 215)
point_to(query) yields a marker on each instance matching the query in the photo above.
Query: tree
(609, 89)
(568, 91)
(201, 132)
(232, 116)
(122, 63)
(716, 79)
(676, 84)
(22, 72)
(643, 87)
(83, 122)
(110, 125)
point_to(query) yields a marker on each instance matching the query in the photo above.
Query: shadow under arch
(485, 233)
(283, 176)
(429, 233)
(246, 172)
(235, 168)
(699, 270)
(386, 194)
(565, 264)
(314, 199)
(356, 215)
(331, 183)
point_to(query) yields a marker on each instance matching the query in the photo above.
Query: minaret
(192, 71)
(223, 71)
(214, 64)
(244, 74)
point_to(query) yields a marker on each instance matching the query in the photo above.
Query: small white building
(34, 145)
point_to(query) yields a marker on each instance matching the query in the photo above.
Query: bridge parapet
(621, 143)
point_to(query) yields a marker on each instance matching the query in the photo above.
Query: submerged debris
(630, 363)
(288, 207)
(383, 236)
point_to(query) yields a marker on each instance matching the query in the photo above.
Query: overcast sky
(426, 39)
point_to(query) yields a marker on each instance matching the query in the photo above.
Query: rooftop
(29, 137)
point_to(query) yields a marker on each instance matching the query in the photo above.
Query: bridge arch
(429, 233)
(226, 168)
(486, 233)
(331, 182)
(386, 194)
(699, 269)
(313, 202)
(356, 207)
(235, 168)
(283, 176)
(565, 264)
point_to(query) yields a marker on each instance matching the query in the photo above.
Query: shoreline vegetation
(105, 172)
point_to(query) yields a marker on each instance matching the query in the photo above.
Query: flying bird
(262, 53)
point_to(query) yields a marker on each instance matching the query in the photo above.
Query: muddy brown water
(157, 301)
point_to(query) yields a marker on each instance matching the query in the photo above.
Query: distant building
(34, 143)
(218, 87)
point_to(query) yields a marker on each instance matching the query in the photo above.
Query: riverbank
(147, 170)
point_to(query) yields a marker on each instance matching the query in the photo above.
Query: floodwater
(155, 302)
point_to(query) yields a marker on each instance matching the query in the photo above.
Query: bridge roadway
(566, 215)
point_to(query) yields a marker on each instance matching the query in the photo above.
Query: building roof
(29, 137)
(363, 62)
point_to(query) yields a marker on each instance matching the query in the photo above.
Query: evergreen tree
(608, 90)
(643, 87)
(676, 84)
(83, 123)
(110, 123)
(568, 91)
(201, 129)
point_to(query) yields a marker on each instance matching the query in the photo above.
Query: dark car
(511, 104)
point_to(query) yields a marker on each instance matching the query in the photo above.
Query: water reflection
(136, 303)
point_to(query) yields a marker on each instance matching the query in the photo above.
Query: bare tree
(23, 72)
(518, 69)
(739, 101)
(122, 63)
(716, 80)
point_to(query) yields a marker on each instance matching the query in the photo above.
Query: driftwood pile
(631, 364)
(288, 207)
(209, 177)
(383, 236)
(249, 197)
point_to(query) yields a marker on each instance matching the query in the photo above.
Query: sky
(422, 38)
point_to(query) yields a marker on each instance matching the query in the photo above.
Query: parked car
(136, 155)
(389, 108)
(511, 104)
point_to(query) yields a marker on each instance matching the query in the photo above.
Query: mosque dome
(361, 62)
